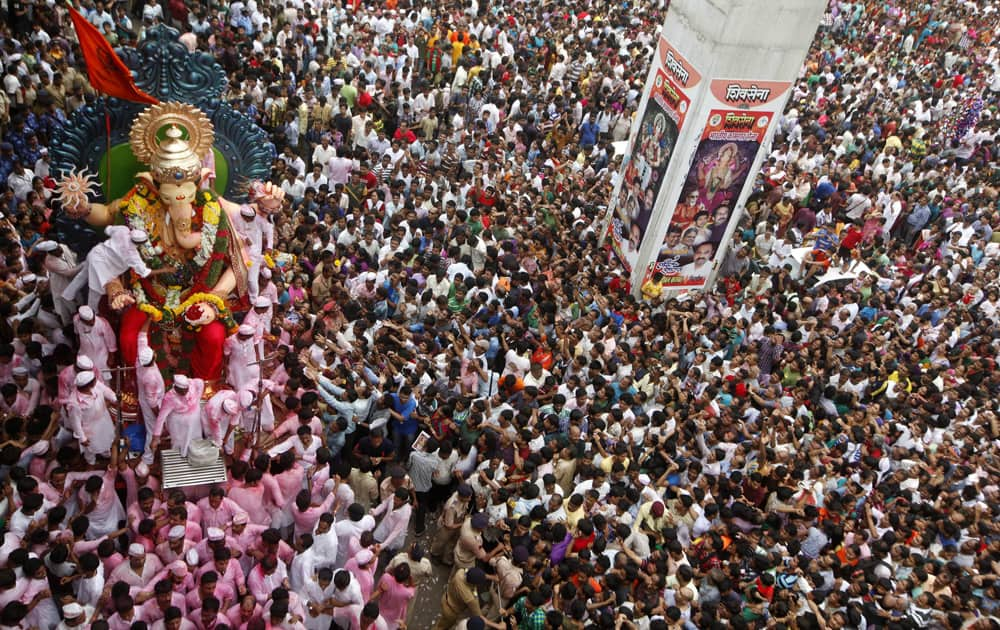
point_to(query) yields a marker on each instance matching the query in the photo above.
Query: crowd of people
(464, 404)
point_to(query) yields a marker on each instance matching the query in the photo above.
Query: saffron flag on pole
(108, 73)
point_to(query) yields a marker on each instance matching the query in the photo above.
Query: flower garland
(172, 314)
(203, 270)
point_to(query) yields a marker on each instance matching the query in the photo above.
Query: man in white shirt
(323, 152)
(20, 180)
(316, 178)
(702, 263)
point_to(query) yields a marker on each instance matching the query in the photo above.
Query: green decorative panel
(124, 167)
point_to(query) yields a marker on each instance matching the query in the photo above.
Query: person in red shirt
(852, 236)
(405, 134)
(816, 263)
(371, 182)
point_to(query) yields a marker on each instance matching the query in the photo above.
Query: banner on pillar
(646, 162)
(738, 123)
(721, 166)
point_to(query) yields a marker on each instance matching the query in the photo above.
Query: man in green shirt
(349, 93)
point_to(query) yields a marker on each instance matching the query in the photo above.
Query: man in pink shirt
(217, 510)
(207, 617)
(269, 574)
(164, 597)
(214, 540)
(219, 416)
(151, 389)
(139, 570)
(137, 476)
(67, 376)
(180, 414)
(246, 536)
(177, 573)
(147, 506)
(99, 501)
(242, 614)
(210, 586)
(259, 318)
(228, 569)
(125, 614)
(97, 338)
(305, 514)
(175, 547)
(178, 515)
(87, 416)
(250, 498)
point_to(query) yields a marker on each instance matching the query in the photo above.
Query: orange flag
(108, 74)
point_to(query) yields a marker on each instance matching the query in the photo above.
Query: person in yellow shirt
(652, 289)
(457, 47)
(574, 511)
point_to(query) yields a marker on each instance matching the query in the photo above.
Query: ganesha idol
(196, 260)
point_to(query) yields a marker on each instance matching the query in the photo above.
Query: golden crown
(174, 159)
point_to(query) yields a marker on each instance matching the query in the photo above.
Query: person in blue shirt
(588, 134)
(403, 424)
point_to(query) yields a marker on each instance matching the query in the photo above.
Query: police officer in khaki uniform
(461, 598)
(452, 517)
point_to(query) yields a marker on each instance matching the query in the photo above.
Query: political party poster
(653, 145)
(738, 124)
(722, 161)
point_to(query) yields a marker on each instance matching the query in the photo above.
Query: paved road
(426, 605)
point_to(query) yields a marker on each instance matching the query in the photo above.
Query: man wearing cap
(258, 237)
(180, 413)
(87, 416)
(241, 349)
(245, 535)
(151, 389)
(139, 570)
(96, 337)
(25, 394)
(219, 416)
(651, 520)
(461, 597)
(75, 616)
(61, 264)
(109, 260)
(29, 305)
(67, 377)
(175, 546)
(469, 548)
(259, 318)
(450, 523)
(267, 288)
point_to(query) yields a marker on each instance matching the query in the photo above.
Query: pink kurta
(180, 414)
(395, 600)
(88, 418)
(251, 500)
(215, 422)
(151, 388)
(241, 353)
(97, 340)
(364, 575)
(222, 516)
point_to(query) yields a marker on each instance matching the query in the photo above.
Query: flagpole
(107, 133)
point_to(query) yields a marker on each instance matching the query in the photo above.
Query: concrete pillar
(723, 71)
